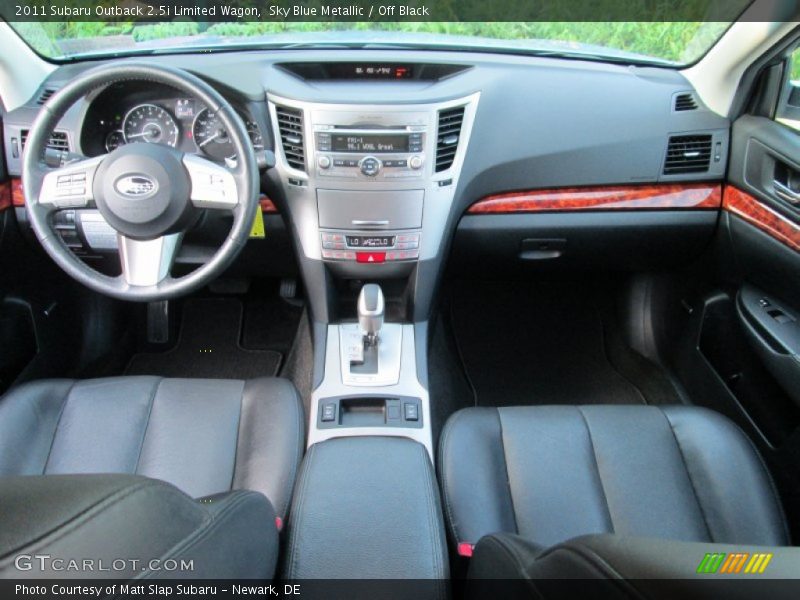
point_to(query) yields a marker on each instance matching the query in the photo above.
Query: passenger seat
(535, 478)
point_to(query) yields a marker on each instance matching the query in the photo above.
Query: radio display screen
(369, 143)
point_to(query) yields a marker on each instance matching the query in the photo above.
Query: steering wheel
(148, 193)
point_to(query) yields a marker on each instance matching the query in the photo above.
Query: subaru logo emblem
(136, 186)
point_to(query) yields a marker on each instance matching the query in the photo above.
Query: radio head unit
(370, 152)
(369, 143)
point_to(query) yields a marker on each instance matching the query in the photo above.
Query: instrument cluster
(115, 119)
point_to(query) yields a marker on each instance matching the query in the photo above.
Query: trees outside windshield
(676, 42)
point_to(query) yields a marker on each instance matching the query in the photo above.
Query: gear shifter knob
(370, 312)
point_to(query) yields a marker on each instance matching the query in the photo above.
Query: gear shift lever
(370, 312)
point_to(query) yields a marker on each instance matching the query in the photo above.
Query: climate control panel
(370, 249)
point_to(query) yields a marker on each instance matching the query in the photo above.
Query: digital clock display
(369, 144)
(370, 71)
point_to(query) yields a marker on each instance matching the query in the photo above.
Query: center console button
(371, 257)
(411, 411)
(324, 162)
(370, 166)
(328, 413)
(415, 162)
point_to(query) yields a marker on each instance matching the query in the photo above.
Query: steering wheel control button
(370, 166)
(213, 186)
(371, 257)
(69, 186)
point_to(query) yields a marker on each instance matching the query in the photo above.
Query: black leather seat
(549, 474)
(205, 437)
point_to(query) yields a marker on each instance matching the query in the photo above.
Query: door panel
(762, 205)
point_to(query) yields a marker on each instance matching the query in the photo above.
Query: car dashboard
(385, 161)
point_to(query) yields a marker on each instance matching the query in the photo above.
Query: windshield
(673, 43)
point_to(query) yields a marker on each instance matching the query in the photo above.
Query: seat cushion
(553, 473)
(203, 436)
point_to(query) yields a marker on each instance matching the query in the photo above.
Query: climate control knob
(415, 162)
(324, 162)
(370, 166)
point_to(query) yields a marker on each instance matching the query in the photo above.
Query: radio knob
(324, 162)
(415, 162)
(370, 166)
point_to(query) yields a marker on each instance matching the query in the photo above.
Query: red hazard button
(370, 257)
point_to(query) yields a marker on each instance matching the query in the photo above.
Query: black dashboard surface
(541, 122)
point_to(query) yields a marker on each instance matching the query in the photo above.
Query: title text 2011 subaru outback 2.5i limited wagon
(426, 303)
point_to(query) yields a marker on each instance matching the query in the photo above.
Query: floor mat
(270, 322)
(524, 344)
(208, 346)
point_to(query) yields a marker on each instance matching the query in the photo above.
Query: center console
(368, 191)
(368, 194)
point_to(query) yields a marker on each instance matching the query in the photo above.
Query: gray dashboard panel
(540, 122)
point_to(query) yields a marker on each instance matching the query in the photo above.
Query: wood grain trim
(622, 197)
(5, 195)
(267, 205)
(17, 195)
(761, 216)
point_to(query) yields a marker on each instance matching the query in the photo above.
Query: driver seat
(229, 449)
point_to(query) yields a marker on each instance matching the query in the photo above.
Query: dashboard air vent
(45, 95)
(684, 102)
(688, 154)
(58, 140)
(447, 136)
(290, 124)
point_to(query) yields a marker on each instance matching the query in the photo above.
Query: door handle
(784, 192)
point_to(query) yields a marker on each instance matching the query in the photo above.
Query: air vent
(688, 154)
(58, 140)
(45, 95)
(290, 124)
(447, 136)
(684, 102)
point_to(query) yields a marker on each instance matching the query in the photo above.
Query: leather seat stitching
(298, 449)
(505, 465)
(64, 402)
(430, 498)
(671, 428)
(597, 467)
(298, 510)
(153, 394)
(238, 436)
(443, 446)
